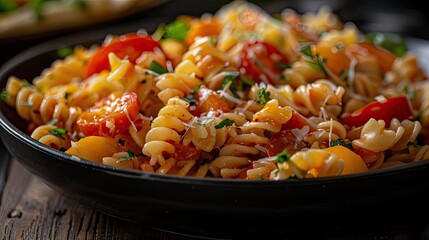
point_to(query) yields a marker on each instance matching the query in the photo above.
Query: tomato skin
(385, 58)
(284, 140)
(209, 100)
(129, 46)
(396, 107)
(113, 110)
(260, 61)
(185, 152)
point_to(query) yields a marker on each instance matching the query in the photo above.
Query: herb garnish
(156, 67)
(224, 123)
(282, 157)
(130, 155)
(263, 96)
(341, 142)
(229, 80)
(59, 132)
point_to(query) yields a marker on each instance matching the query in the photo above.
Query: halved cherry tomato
(110, 116)
(396, 107)
(208, 100)
(284, 140)
(262, 62)
(385, 57)
(129, 46)
(185, 152)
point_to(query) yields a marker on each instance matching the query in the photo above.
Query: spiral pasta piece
(207, 62)
(310, 164)
(64, 71)
(166, 127)
(47, 135)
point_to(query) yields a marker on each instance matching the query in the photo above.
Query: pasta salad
(238, 94)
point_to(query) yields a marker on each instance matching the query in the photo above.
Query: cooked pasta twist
(207, 62)
(309, 164)
(64, 71)
(46, 134)
(166, 127)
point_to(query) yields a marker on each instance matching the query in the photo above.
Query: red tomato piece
(129, 46)
(185, 152)
(284, 140)
(110, 116)
(262, 62)
(385, 58)
(396, 107)
(208, 100)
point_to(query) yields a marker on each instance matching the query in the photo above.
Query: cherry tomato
(396, 107)
(263, 62)
(208, 100)
(185, 152)
(129, 46)
(110, 116)
(385, 58)
(284, 140)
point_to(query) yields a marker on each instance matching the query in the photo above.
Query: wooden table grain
(29, 209)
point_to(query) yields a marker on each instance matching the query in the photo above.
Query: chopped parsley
(4, 95)
(205, 161)
(224, 123)
(67, 95)
(344, 74)
(121, 142)
(229, 80)
(156, 67)
(130, 155)
(260, 177)
(59, 132)
(282, 65)
(282, 157)
(263, 96)
(341, 142)
(314, 60)
(247, 81)
(190, 98)
(63, 52)
(176, 30)
(390, 41)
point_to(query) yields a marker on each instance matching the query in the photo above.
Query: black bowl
(214, 207)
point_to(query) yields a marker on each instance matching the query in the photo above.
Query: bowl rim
(82, 38)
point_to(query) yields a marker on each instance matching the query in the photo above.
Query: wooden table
(29, 209)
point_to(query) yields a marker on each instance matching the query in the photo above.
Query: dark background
(399, 16)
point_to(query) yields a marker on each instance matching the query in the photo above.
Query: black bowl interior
(212, 207)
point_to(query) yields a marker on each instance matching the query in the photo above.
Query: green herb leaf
(4, 95)
(344, 74)
(7, 6)
(156, 67)
(247, 81)
(282, 157)
(306, 50)
(205, 161)
(229, 79)
(260, 177)
(390, 41)
(63, 52)
(196, 88)
(159, 32)
(130, 155)
(190, 98)
(224, 123)
(176, 30)
(282, 65)
(341, 142)
(121, 142)
(263, 96)
(59, 132)
(67, 95)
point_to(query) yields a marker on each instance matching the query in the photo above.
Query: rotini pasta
(237, 94)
